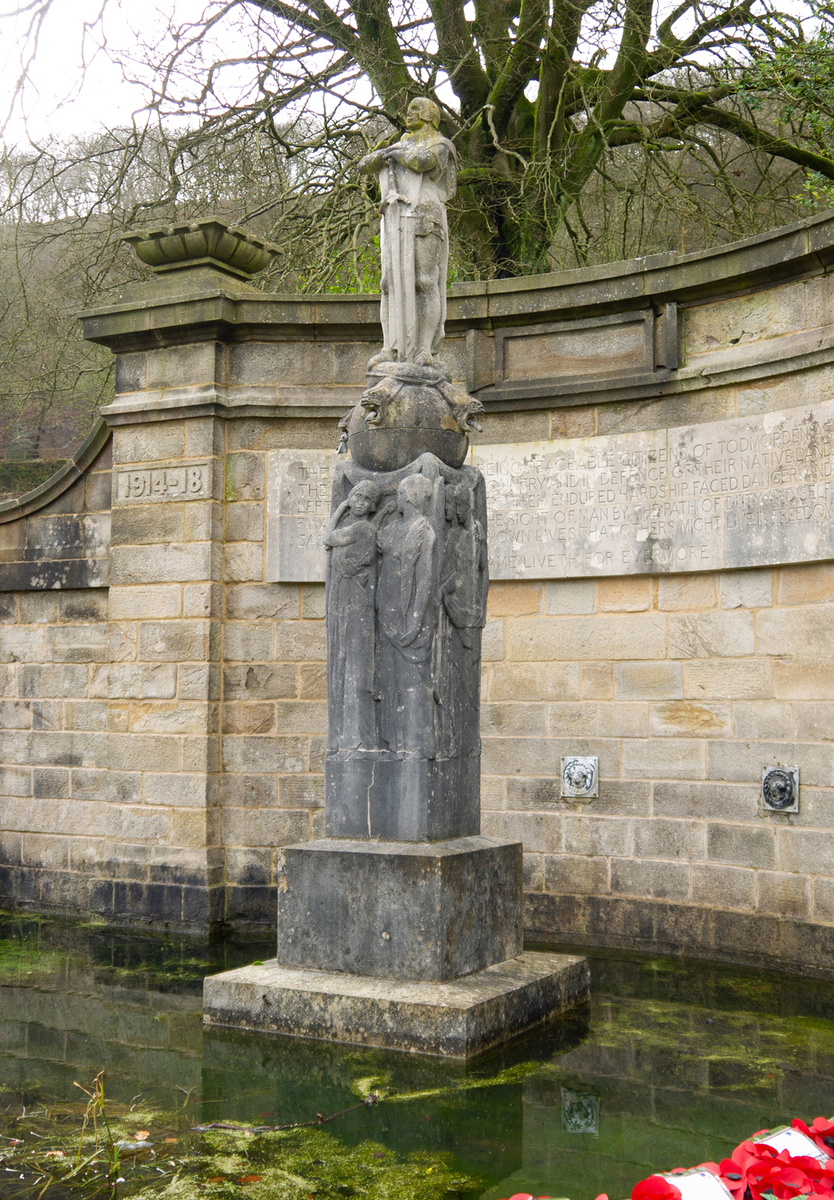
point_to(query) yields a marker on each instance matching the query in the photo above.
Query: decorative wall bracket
(780, 789)
(580, 777)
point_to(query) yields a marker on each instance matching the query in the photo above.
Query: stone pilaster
(162, 682)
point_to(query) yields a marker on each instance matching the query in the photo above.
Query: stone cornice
(230, 314)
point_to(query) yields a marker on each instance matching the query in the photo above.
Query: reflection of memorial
(403, 926)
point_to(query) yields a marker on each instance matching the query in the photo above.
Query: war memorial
(418, 644)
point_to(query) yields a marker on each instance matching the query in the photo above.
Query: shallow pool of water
(674, 1062)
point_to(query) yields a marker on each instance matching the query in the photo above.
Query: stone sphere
(397, 420)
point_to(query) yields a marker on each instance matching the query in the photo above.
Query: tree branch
(520, 65)
(459, 56)
(759, 139)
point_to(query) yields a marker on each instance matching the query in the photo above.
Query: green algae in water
(675, 1064)
(52, 1152)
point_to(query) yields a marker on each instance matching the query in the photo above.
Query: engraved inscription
(192, 482)
(738, 493)
(298, 506)
(730, 494)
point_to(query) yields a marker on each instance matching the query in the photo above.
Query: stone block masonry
(128, 790)
(163, 707)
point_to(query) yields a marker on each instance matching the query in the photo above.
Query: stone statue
(417, 175)
(350, 539)
(407, 603)
(407, 561)
(465, 579)
(463, 588)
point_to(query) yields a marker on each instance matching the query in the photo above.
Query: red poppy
(776, 1173)
(821, 1175)
(821, 1132)
(655, 1188)
(733, 1171)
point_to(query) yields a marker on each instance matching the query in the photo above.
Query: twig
(374, 1098)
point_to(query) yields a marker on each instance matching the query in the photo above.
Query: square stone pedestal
(406, 945)
(458, 1018)
(428, 911)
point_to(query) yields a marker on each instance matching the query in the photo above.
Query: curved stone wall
(681, 635)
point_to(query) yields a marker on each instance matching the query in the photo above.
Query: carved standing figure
(464, 582)
(407, 604)
(417, 175)
(350, 538)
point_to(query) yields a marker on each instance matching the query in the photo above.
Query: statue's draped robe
(414, 206)
(351, 586)
(405, 670)
(457, 651)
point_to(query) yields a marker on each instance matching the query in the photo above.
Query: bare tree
(586, 130)
(540, 96)
(537, 94)
(63, 207)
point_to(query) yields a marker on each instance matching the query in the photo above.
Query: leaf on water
(170, 1139)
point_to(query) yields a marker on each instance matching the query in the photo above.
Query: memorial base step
(455, 1019)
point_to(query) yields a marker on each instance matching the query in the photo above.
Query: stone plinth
(455, 1019)
(399, 910)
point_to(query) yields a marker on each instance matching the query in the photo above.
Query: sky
(53, 101)
(73, 85)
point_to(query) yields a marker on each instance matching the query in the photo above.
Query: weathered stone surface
(456, 1019)
(160, 484)
(406, 602)
(620, 343)
(730, 494)
(569, 597)
(430, 911)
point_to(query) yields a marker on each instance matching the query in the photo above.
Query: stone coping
(62, 480)
(765, 259)
(654, 926)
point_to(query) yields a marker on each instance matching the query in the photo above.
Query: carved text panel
(739, 493)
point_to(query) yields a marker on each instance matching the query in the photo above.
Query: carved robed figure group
(406, 599)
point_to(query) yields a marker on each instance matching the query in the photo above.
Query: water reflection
(676, 1062)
